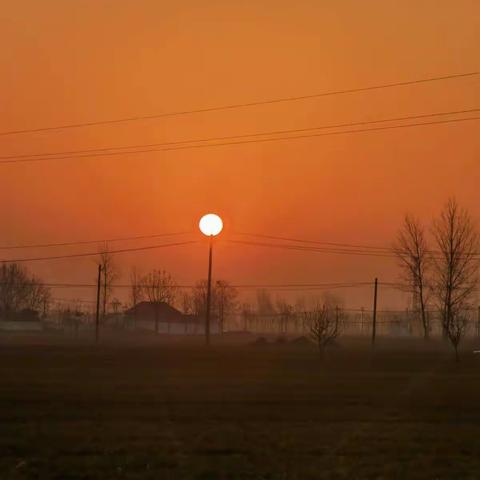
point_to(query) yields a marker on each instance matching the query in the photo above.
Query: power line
(344, 246)
(89, 242)
(239, 105)
(240, 142)
(230, 137)
(337, 251)
(306, 286)
(93, 254)
(313, 249)
(315, 242)
(336, 248)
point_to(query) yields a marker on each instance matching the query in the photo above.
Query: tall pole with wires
(210, 225)
(209, 292)
(97, 316)
(374, 316)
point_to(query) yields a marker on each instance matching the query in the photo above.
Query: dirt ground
(157, 408)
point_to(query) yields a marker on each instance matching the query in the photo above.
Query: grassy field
(159, 410)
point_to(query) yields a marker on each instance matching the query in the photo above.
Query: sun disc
(210, 224)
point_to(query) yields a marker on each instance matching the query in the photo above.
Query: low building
(26, 320)
(161, 317)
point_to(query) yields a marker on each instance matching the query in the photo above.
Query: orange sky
(67, 62)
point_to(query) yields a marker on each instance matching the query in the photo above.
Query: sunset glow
(240, 239)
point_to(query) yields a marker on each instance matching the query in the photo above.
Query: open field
(157, 410)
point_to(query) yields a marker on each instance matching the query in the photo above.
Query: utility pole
(105, 268)
(221, 305)
(374, 317)
(97, 317)
(478, 322)
(209, 292)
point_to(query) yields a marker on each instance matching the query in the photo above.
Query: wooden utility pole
(105, 268)
(478, 322)
(97, 317)
(209, 293)
(374, 317)
(221, 305)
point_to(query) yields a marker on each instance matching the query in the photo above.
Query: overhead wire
(233, 285)
(312, 249)
(93, 254)
(230, 137)
(314, 242)
(238, 142)
(352, 248)
(90, 242)
(239, 105)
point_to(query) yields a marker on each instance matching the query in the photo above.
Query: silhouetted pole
(97, 317)
(478, 322)
(209, 292)
(221, 293)
(105, 290)
(374, 319)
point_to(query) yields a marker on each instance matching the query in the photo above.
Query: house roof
(163, 312)
(162, 309)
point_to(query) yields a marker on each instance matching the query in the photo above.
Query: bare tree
(324, 325)
(13, 288)
(187, 300)
(264, 302)
(71, 316)
(286, 313)
(299, 310)
(247, 314)
(136, 291)
(110, 273)
(223, 301)
(19, 290)
(159, 286)
(266, 309)
(226, 296)
(198, 300)
(115, 304)
(412, 251)
(456, 269)
(45, 300)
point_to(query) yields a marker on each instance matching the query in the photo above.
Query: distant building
(23, 320)
(24, 315)
(163, 318)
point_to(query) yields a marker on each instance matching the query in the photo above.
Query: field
(157, 409)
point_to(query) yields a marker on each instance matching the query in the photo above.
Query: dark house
(22, 320)
(24, 315)
(163, 318)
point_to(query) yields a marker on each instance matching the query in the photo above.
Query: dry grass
(132, 410)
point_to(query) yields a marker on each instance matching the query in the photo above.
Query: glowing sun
(210, 224)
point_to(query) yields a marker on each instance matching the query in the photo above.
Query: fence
(355, 323)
